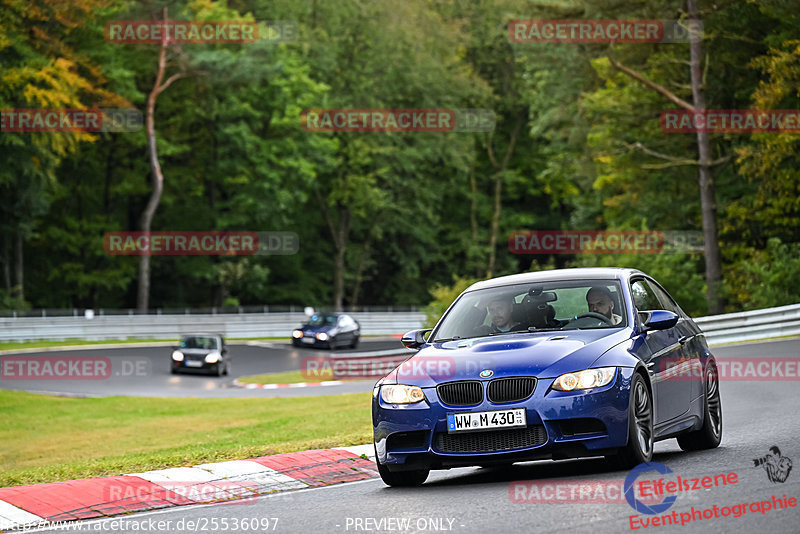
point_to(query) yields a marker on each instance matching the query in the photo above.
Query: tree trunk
(6, 260)
(473, 214)
(143, 297)
(19, 287)
(706, 181)
(362, 259)
(341, 248)
(498, 197)
(498, 191)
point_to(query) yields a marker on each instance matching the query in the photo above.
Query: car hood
(316, 329)
(540, 354)
(197, 352)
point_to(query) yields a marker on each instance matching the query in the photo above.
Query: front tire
(640, 428)
(401, 478)
(710, 434)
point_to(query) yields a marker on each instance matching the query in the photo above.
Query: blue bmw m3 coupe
(554, 364)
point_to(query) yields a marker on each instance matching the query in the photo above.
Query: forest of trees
(394, 218)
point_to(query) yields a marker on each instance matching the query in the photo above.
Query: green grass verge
(47, 438)
(293, 377)
(289, 377)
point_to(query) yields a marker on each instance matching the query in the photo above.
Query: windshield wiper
(445, 340)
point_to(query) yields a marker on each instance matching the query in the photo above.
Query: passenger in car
(599, 300)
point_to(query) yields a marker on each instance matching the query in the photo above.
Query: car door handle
(684, 339)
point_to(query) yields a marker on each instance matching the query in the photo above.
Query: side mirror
(659, 320)
(414, 339)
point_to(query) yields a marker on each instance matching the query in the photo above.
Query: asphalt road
(145, 372)
(756, 416)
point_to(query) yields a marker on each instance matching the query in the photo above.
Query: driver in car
(500, 311)
(599, 300)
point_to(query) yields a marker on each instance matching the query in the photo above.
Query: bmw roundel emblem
(486, 373)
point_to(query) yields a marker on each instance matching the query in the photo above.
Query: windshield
(564, 305)
(199, 342)
(322, 320)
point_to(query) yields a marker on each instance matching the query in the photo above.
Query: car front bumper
(560, 425)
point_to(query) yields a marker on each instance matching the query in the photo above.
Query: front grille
(195, 357)
(465, 393)
(492, 440)
(511, 389)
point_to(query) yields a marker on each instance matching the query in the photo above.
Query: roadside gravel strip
(237, 481)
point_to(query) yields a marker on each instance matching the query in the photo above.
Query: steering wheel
(594, 315)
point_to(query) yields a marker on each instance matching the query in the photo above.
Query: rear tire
(640, 428)
(401, 478)
(710, 434)
(355, 343)
(218, 370)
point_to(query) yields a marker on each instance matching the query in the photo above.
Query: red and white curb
(237, 481)
(295, 385)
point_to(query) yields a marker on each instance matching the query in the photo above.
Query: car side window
(643, 297)
(665, 300)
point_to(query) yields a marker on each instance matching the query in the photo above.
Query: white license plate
(464, 422)
(194, 363)
(308, 340)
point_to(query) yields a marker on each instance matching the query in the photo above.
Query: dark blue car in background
(328, 330)
(556, 364)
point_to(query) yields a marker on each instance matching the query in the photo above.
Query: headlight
(400, 394)
(297, 334)
(177, 356)
(213, 357)
(322, 336)
(590, 378)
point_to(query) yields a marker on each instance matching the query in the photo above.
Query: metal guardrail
(247, 325)
(727, 328)
(748, 326)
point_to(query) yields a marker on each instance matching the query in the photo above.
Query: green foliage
(443, 297)
(766, 278)
(402, 208)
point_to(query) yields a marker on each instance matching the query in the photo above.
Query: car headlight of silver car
(177, 356)
(213, 357)
(587, 379)
(401, 394)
